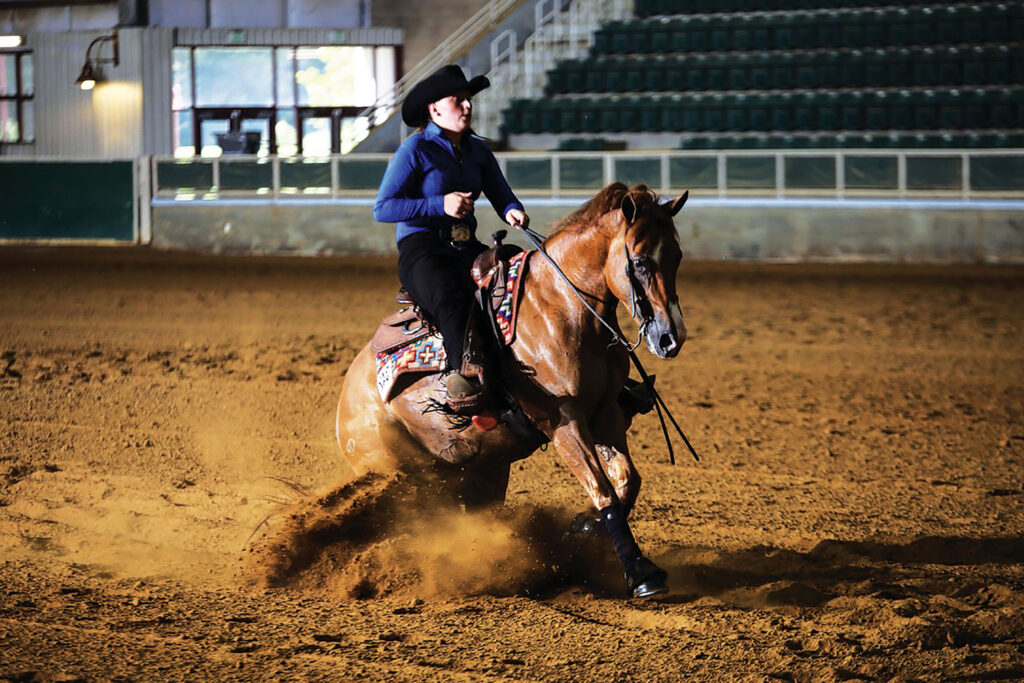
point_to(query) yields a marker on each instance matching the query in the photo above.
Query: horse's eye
(643, 266)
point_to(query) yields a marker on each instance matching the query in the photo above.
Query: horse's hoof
(646, 578)
(653, 586)
(584, 527)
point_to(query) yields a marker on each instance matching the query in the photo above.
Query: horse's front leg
(621, 473)
(580, 452)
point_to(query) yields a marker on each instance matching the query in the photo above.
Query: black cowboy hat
(446, 81)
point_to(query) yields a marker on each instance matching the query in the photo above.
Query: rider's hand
(517, 218)
(458, 204)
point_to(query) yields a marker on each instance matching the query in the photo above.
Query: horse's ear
(677, 203)
(629, 209)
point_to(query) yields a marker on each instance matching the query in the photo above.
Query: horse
(565, 369)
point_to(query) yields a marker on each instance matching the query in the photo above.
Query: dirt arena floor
(858, 513)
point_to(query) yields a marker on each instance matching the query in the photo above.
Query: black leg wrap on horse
(622, 538)
(643, 576)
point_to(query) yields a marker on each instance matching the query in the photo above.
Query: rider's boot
(466, 391)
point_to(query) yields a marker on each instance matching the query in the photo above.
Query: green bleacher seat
(719, 36)
(925, 69)
(781, 108)
(569, 117)
(760, 75)
(923, 27)
(621, 40)
(655, 74)
(900, 113)
(877, 66)
(949, 110)
(805, 112)
(653, 118)
(899, 66)
(575, 77)
(851, 111)
(715, 76)
(759, 114)
(782, 75)
(588, 115)
(897, 23)
(737, 73)
(851, 33)
(998, 64)
(830, 30)
(829, 74)
(611, 78)
(876, 111)
(949, 66)
(680, 32)
(1017, 21)
(948, 27)
(973, 26)
(783, 34)
(806, 72)
(713, 110)
(736, 113)
(924, 110)
(645, 8)
(608, 117)
(660, 37)
(677, 77)
(679, 115)
(828, 114)
(851, 69)
(1005, 109)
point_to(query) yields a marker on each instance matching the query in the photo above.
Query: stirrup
(467, 404)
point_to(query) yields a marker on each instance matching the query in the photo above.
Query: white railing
(828, 174)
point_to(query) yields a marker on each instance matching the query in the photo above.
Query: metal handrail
(447, 50)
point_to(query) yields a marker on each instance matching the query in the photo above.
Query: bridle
(638, 302)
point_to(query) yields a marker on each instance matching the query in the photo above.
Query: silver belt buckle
(461, 233)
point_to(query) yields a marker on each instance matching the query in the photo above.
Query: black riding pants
(438, 277)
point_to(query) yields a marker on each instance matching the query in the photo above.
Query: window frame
(236, 114)
(19, 97)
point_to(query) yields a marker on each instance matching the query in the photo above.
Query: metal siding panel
(117, 103)
(156, 83)
(64, 122)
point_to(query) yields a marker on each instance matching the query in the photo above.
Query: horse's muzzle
(664, 338)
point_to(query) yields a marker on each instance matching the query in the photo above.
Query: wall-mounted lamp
(90, 70)
(10, 41)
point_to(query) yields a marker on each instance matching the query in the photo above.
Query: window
(288, 100)
(17, 88)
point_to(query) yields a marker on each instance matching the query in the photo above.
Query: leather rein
(638, 303)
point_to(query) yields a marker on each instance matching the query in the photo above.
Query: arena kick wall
(709, 230)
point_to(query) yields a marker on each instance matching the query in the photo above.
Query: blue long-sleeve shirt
(425, 169)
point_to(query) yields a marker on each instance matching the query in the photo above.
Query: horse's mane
(608, 199)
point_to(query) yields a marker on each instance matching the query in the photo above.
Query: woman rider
(429, 190)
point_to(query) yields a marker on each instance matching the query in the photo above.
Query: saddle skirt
(406, 346)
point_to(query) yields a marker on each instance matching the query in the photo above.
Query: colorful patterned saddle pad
(427, 355)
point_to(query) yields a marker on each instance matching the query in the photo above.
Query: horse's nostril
(666, 342)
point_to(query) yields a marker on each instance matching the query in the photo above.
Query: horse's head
(641, 268)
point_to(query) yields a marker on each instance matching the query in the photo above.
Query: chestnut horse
(565, 369)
